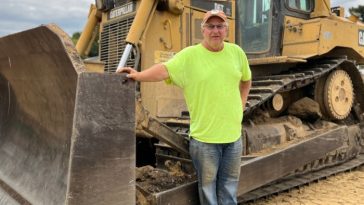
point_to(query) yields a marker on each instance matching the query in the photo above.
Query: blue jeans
(218, 170)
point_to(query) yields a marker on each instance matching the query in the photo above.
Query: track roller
(335, 94)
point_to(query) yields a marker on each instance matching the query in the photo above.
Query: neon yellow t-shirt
(210, 83)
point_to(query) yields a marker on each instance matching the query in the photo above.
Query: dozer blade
(66, 136)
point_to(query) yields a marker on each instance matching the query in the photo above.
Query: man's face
(214, 31)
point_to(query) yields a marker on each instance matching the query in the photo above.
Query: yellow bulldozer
(74, 132)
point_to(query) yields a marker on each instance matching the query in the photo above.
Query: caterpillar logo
(361, 37)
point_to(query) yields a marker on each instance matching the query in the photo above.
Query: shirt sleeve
(175, 67)
(246, 72)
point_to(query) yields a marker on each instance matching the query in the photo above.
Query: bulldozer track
(293, 182)
(264, 87)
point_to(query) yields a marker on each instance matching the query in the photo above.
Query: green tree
(358, 11)
(94, 48)
(75, 37)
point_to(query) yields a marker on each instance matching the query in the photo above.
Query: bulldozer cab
(259, 24)
(295, 31)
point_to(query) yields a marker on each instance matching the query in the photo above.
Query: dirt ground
(343, 189)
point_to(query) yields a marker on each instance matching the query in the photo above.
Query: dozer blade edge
(66, 136)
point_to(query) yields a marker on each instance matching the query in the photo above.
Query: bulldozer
(74, 132)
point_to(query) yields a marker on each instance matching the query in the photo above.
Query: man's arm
(244, 91)
(157, 72)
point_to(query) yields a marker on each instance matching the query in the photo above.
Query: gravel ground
(343, 189)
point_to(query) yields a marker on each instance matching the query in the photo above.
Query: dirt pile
(155, 180)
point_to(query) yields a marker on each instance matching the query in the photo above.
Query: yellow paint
(321, 9)
(87, 34)
(162, 56)
(319, 36)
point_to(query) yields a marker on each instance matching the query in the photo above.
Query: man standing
(215, 78)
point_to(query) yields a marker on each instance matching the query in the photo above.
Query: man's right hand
(131, 72)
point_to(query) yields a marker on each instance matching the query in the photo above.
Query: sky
(19, 15)
(347, 4)
(70, 15)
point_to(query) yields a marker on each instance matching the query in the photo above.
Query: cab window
(302, 5)
(254, 25)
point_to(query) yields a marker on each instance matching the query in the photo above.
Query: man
(215, 78)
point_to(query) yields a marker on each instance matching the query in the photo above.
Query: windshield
(303, 5)
(254, 25)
